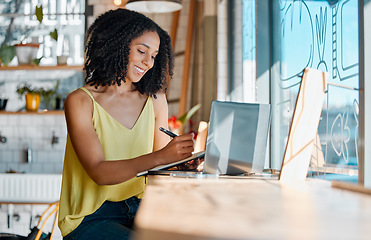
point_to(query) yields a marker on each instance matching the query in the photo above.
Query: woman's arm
(161, 113)
(79, 111)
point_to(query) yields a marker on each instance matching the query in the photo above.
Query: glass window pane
(242, 51)
(321, 35)
(248, 49)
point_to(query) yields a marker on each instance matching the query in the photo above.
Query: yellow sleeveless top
(80, 195)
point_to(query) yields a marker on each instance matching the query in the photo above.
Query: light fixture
(154, 6)
(117, 2)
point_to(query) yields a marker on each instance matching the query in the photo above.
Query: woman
(113, 126)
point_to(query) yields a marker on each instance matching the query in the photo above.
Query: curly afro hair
(107, 48)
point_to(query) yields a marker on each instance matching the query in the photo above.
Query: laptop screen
(237, 138)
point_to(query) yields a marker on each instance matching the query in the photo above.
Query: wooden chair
(304, 125)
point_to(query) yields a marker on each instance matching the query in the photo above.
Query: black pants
(112, 221)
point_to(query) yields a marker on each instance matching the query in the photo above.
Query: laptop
(236, 140)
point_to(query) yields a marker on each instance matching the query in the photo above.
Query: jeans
(112, 221)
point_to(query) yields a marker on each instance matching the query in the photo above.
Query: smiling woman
(113, 126)
(143, 51)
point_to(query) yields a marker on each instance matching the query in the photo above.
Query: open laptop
(236, 140)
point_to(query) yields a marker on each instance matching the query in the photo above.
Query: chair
(304, 125)
(37, 231)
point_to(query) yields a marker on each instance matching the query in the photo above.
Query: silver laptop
(236, 140)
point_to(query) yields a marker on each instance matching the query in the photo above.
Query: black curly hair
(107, 47)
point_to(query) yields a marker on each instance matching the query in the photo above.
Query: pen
(171, 134)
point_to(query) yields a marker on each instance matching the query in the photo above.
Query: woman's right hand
(177, 149)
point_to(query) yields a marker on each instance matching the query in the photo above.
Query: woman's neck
(124, 89)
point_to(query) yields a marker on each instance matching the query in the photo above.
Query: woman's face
(143, 51)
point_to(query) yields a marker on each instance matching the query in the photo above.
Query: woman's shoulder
(159, 102)
(78, 97)
(159, 98)
(77, 94)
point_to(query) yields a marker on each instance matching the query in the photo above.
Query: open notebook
(236, 140)
(174, 164)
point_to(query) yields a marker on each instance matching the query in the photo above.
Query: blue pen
(171, 134)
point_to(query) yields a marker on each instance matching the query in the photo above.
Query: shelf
(40, 112)
(37, 68)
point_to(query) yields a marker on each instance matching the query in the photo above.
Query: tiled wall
(34, 131)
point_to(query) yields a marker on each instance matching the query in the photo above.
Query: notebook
(236, 141)
(174, 164)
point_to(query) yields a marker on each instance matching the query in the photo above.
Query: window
(318, 34)
(321, 35)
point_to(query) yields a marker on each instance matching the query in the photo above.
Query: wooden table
(187, 208)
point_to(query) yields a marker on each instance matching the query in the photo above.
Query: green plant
(40, 15)
(26, 88)
(177, 124)
(189, 114)
(47, 94)
(36, 61)
(7, 53)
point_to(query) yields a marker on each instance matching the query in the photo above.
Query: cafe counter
(178, 207)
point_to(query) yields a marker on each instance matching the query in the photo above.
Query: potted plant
(26, 53)
(25, 50)
(48, 94)
(32, 96)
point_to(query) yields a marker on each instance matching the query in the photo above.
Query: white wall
(35, 131)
